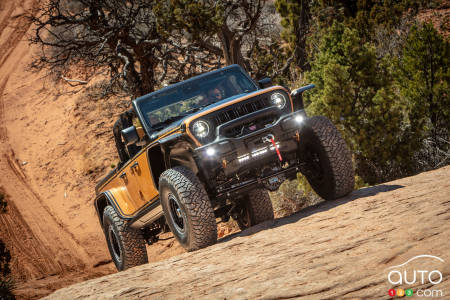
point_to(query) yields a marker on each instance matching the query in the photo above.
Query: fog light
(299, 118)
(210, 151)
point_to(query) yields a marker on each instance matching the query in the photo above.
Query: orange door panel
(133, 186)
(119, 188)
(144, 189)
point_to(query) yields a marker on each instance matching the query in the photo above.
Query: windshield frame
(137, 103)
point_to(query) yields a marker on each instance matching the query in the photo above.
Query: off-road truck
(207, 149)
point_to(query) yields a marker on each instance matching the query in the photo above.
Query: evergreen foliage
(296, 17)
(231, 29)
(355, 91)
(423, 78)
(384, 88)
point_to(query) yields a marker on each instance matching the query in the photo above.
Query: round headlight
(200, 129)
(278, 99)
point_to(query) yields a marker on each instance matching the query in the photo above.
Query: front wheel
(255, 208)
(187, 208)
(126, 245)
(327, 160)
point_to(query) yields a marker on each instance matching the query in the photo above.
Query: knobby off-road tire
(329, 163)
(256, 208)
(187, 208)
(126, 245)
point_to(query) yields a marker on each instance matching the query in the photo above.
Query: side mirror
(265, 82)
(297, 96)
(130, 135)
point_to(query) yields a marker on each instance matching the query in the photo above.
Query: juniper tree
(423, 78)
(233, 30)
(296, 17)
(119, 36)
(355, 91)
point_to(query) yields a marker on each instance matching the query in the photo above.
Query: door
(142, 188)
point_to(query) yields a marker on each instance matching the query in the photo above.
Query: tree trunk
(231, 48)
(301, 31)
(147, 71)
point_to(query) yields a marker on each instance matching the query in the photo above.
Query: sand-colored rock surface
(335, 250)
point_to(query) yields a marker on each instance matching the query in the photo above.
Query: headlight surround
(200, 129)
(278, 99)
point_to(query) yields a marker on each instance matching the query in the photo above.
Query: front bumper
(254, 149)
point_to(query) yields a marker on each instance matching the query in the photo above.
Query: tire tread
(203, 229)
(338, 153)
(261, 205)
(134, 250)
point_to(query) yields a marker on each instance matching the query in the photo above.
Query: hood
(179, 122)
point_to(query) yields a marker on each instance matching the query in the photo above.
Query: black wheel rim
(177, 214)
(115, 247)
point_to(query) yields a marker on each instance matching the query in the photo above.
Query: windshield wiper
(193, 110)
(169, 120)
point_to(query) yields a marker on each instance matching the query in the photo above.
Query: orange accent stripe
(189, 120)
(164, 135)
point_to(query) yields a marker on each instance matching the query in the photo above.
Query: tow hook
(268, 138)
(271, 139)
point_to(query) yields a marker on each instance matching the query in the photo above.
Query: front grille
(241, 109)
(244, 129)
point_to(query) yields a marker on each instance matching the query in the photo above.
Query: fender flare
(104, 199)
(185, 158)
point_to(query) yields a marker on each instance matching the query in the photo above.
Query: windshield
(182, 99)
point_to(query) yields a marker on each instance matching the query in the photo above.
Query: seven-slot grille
(241, 109)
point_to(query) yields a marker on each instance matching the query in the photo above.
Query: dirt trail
(53, 148)
(335, 250)
(35, 228)
(41, 239)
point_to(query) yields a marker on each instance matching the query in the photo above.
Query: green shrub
(357, 91)
(293, 196)
(423, 78)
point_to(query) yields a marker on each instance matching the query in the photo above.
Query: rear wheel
(187, 208)
(255, 208)
(327, 159)
(126, 245)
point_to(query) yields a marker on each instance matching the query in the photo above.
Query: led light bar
(256, 153)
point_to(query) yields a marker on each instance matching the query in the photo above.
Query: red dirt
(54, 147)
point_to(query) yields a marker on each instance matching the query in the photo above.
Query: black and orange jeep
(210, 148)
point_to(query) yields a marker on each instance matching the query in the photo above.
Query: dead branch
(76, 81)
